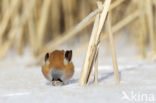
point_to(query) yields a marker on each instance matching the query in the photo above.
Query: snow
(24, 83)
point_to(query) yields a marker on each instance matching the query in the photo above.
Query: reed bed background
(43, 25)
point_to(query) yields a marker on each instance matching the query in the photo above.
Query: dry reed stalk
(116, 72)
(95, 64)
(91, 66)
(143, 28)
(42, 23)
(83, 11)
(116, 4)
(31, 22)
(84, 23)
(24, 18)
(117, 27)
(65, 11)
(31, 28)
(12, 33)
(7, 43)
(32, 33)
(68, 7)
(96, 71)
(17, 28)
(90, 51)
(154, 2)
(155, 16)
(36, 13)
(72, 10)
(8, 14)
(19, 38)
(5, 5)
(150, 25)
(93, 49)
(93, 44)
(21, 44)
(96, 67)
(55, 16)
(3, 49)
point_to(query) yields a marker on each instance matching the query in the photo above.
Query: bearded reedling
(58, 67)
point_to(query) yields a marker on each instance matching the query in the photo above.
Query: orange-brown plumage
(57, 59)
(58, 65)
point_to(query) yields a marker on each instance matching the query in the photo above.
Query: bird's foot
(57, 83)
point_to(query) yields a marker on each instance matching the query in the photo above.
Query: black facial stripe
(71, 55)
(68, 55)
(46, 57)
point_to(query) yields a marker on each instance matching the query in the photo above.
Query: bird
(58, 67)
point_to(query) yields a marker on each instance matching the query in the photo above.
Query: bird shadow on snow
(104, 76)
(73, 81)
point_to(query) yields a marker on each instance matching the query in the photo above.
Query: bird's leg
(57, 82)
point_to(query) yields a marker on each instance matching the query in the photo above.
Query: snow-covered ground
(24, 83)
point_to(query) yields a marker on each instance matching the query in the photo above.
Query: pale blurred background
(45, 25)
